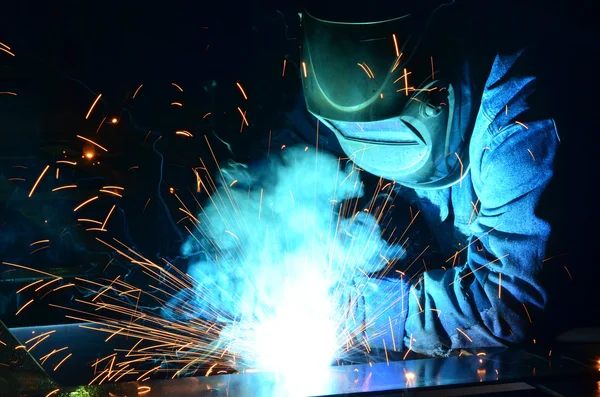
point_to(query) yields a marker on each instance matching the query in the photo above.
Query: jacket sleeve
(495, 297)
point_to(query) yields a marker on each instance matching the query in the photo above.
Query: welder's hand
(361, 249)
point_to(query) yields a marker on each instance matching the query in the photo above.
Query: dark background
(67, 52)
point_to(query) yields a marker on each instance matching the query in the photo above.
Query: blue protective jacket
(491, 291)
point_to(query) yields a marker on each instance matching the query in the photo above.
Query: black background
(69, 51)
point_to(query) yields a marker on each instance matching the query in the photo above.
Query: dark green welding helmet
(372, 82)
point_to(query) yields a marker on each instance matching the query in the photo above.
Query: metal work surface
(508, 371)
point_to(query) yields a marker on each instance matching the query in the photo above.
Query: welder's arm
(495, 297)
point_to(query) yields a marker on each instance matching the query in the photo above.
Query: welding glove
(373, 315)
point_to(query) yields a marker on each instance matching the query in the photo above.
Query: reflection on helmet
(369, 84)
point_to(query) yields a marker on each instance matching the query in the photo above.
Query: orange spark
(206, 115)
(396, 45)
(64, 187)
(114, 120)
(432, 69)
(527, 311)
(304, 69)
(110, 192)
(52, 392)
(113, 187)
(92, 142)
(136, 91)
(569, 273)
(363, 67)
(8, 52)
(466, 336)
(499, 285)
(29, 285)
(184, 133)
(38, 180)
(39, 242)
(178, 87)
(92, 107)
(84, 203)
(243, 116)
(62, 361)
(66, 162)
(518, 122)
(177, 104)
(4, 45)
(143, 390)
(8, 93)
(284, 64)
(108, 216)
(23, 307)
(241, 89)
(405, 81)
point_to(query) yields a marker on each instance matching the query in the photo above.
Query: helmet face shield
(355, 72)
(372, 87)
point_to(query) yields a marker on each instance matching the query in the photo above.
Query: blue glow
(278, 256)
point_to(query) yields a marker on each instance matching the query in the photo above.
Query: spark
(568, 272)
(54, 351)
(143, 390)
(284, 65)
(241, 89)
(92, 107)
(177, 86)
(8, 93)
(85, 202)
(521, 124)
(304, 69)
(39, 242)
(529, 150)
(110, 192)
(37, 343)
(184, 133)
(527, 311)
(64, 187)
(29, 285)
(89, 220)
(66, 162)
(52, 392)
(464, 333)
(48, 283)
(396, 45)
(177, 104)
(113, 187)
(432, 69)
(243, 116)
(38, 180)
(206, 115)
(7, 51)
(23, 307)
(499, 285)
(92, 142)
(62, 361)
(136, 91)
(17, 179)
(108, 216)
(461, 166)
(39, 249)
(114, 120)
(365, 68)
(40, 335)
(405, 81)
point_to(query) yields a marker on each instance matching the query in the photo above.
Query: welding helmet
(374, 85)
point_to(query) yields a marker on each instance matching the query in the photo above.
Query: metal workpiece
(20, 373)
(477, 372)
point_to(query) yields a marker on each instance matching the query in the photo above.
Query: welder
(460, 142)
